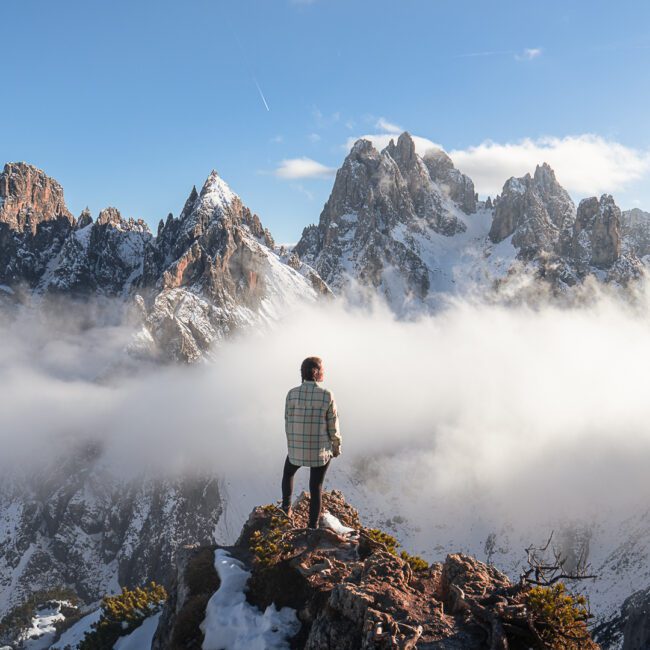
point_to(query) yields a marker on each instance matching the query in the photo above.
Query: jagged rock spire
(597, 232)
(535, 210)
(85, 218)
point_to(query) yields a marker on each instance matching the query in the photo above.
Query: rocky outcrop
(636, 614)
(629, 627)
(350, 591)
(194, 582)
(560, 245)
(535, 210)
(103, 257)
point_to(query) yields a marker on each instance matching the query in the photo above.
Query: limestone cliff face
(212, 245)
(28, 198)
(636, 615)
(564, 245)
(34, 223)
(451, 181)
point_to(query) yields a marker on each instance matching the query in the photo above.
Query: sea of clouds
(538, 408)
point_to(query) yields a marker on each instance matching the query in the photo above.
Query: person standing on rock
(313, 437)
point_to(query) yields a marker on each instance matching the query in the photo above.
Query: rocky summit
(383, 210)
(343, 586)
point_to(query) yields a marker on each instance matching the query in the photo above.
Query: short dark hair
(310, 368)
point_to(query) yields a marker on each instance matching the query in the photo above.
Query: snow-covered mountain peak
(216, 192)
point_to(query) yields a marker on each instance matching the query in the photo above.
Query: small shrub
(269, 546)
(560, 617)
(415, 561)
(121, 614)
(383, 538)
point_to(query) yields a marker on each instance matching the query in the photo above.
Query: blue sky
(130, 103)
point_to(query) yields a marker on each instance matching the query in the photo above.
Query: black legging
(316, 478)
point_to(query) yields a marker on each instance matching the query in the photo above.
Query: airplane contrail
(245, 62)
(261, 95)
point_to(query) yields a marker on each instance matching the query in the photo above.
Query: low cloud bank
(535, 410)
(585, 164)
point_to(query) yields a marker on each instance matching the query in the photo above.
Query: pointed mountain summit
(215, 192)
(214, 270)
(387, 211)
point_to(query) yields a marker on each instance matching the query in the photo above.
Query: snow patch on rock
(231, 623)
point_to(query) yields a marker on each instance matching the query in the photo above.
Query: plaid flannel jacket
(311, 424)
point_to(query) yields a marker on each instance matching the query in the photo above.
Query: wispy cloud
(525, 55)
(390, 131)
(277, 139)
(585, 164)
(314, 137)
(389, 127)
(529, 54)
(304, 167)
(381, 140)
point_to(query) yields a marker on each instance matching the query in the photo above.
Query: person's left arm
(333, 431)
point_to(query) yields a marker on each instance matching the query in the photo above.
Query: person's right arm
(286, 413)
